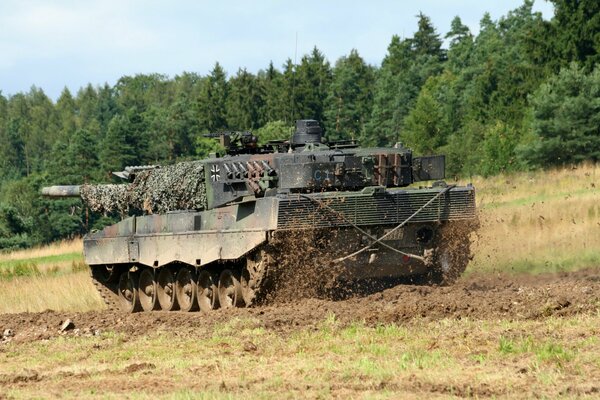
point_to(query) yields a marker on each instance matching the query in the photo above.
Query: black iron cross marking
(215, 173)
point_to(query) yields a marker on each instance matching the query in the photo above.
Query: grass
(54, 249)
(60, 257)
(67, 292)
(421, 359)
(530, 223)
(538, 222)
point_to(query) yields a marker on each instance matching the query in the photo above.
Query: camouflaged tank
(216, 232)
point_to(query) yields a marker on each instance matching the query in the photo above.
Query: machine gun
(236, 142)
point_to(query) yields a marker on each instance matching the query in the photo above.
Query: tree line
(522, 93)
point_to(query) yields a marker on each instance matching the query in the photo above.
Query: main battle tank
(219, 232)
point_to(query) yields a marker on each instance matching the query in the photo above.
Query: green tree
(461, 45)
(212, 101)
(107, 106)
(566, 118)
(272, 81)
(274, 130)
(498, 149)
(119, 149)
(428, 125)
(313, 77)
(83, 156)
(576, 31)
(405, 69)
(349, 103)
(12, 152)
(246, 102)
(66, 110)
(87, 105)
(382, 127)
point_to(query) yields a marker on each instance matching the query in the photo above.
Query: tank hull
(337, 225)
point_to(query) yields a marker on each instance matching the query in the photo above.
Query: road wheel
(128, 292)
(229, 289)
(208, 293)
(148, 290)
(451, 256)
(185, 286)
(167, 296)
(253, 280)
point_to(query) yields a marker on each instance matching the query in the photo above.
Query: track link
(107, 289)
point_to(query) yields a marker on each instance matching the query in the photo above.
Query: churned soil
(486, 297)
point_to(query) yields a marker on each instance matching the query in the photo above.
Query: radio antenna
(294, 79)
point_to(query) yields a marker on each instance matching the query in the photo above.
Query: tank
(226, 230)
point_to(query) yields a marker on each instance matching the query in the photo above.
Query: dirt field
(487, 336)
(524, 322)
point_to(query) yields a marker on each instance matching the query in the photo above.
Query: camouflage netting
(105, 198)
(175, 187)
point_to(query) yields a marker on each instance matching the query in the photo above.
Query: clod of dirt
(23, 377)
(67, 325)
(138, 367)
(250, 347)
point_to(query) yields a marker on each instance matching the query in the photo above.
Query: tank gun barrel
(61, 191)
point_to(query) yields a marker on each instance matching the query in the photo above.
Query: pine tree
(427, 126)
(118, 149)
(272, 83)
(566, 118)
(212, 101)
(461, 45)
(67, 114)
(107, 106)
(310, 91)
(576, 27)
(87, 105)
(405, 69)
(246, 102)
(349, 103)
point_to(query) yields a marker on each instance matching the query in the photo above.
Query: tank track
(258, 267)
(106, 288)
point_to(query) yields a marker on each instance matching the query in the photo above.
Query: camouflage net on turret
(175, 187)
(105, 198)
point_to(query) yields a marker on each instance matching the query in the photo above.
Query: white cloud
(39, 30)
(53, 43)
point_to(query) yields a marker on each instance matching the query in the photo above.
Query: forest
(522, 93)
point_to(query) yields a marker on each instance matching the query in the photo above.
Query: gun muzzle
(61, 191)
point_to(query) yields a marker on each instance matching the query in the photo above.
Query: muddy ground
(506, 297)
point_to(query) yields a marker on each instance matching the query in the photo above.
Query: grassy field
(538, 222)
(239, 359)
(52, 277)
(530, 223)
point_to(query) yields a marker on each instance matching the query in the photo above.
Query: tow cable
(425, 259)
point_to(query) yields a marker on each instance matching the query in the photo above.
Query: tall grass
(68, 292)
(52, 277)
(53, 249)
(542, 221)
(59, 256)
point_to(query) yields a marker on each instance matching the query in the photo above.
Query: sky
(52, 44)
